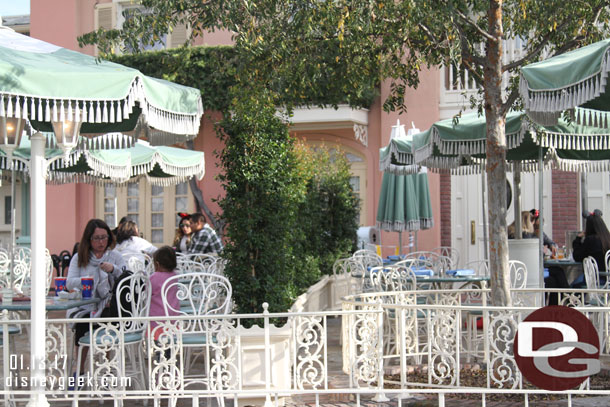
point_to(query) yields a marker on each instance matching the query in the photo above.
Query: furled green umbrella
(575, 79)
(58, 90)
(404, 199)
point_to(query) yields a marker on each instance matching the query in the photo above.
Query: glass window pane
(109, 191)
(109, 205)
(157, 236)
(355, 183)
(110, 221)
(157, 204)
(156, 190)
(133, 204)
(135, 217)
(182, 188)
(133, 189)
(181, 203)
(157, 220)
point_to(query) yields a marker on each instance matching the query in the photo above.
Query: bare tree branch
(471, 23)
(510, 101)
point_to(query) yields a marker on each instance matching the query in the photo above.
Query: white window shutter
(179, 35)
(105, 17)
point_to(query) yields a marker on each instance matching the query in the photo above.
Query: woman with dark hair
(129, 241)
(594, 242)
(97, 259)
(182, 240)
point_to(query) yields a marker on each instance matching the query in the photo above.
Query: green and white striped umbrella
(42, 82)
(161, 165)
(576, 81)
(460, 146)
(404, 199)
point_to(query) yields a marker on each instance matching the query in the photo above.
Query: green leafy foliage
(210, 69)
(329, 210)
(263, 190)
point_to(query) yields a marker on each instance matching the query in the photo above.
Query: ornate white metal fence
(428, 338)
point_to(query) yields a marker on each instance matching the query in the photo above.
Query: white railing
(428, 331)
(255, 365)
(457, 85)
(425, 329)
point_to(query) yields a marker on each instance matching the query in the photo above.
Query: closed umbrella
(404, 199)
(65, 91)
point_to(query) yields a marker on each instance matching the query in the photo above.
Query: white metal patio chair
(366, 259)
(119, 345)
(138, 262)
(200, 294)
(451, 252)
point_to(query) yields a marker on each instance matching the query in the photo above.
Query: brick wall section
(445, 187)
(565, 204)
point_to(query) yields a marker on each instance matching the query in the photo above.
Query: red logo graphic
(557, 348)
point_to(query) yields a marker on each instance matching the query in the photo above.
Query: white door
(467, 217)
(467, 210)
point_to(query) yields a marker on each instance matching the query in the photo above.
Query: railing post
(268, 402)
(380, 396)
(5, 357)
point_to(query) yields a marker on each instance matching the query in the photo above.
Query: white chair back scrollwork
(122, 340)
(198, 262)
(439, 263)
(392, 278)
(199, 294)
(451, 252)
(591, 271)
(22, 270)
(138, 262)
(364, 260)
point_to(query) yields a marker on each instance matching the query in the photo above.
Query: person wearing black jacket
(594, 242)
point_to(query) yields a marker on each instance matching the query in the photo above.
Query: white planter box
(253, 361)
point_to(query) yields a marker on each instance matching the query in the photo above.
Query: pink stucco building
(360, 133)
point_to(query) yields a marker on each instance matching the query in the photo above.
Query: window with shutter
(178, 35)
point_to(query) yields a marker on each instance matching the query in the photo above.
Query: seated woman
(97, 259)
(129, 241)
(594, 242)
(527, 226)
(182, 240)
(547, 242)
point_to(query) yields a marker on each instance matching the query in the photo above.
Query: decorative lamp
(11, 130)
(66, 134)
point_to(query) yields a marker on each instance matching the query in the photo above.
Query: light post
(66, 132)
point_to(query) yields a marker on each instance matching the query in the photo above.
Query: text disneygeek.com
(68, 383)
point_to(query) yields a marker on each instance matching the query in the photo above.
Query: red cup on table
(60, 284)
(87, 286)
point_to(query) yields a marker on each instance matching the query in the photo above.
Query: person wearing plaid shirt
(204, 239)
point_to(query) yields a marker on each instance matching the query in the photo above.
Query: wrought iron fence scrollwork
(310, 343)
(502, 369)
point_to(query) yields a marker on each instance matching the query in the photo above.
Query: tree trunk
(496, 161)
(200, 204)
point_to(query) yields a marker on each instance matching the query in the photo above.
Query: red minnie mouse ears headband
(184, 215)
(535, 213)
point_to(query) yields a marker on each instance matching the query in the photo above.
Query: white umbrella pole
(517, 200)
(12, 243)
(485, 231)
(541, 227)
(39, 230)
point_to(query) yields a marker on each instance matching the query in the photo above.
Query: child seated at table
(165, 264)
